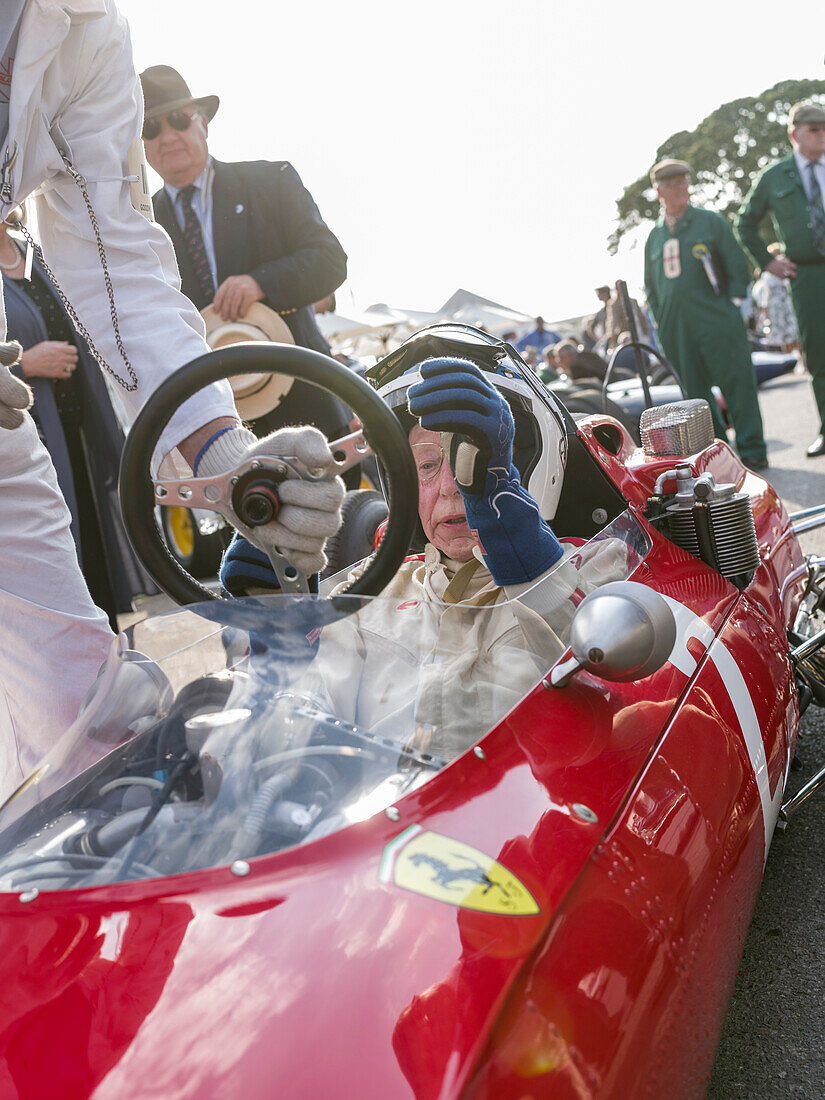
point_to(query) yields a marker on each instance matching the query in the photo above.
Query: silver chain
(130, 387)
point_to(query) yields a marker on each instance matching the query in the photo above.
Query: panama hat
(255, 394)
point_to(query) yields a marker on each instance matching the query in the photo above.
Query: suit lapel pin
(239, 208)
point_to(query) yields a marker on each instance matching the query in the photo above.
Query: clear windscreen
(237, 728)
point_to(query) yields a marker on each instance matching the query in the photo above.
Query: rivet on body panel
(584, 813)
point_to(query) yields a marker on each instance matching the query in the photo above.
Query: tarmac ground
(773, 1041)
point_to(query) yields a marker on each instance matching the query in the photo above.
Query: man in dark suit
(243, 233)
(792, 192)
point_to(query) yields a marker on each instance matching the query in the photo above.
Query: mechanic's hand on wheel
(310, 510)
(15, 396)
(477, 432)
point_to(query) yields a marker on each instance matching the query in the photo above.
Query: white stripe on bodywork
(689, 625)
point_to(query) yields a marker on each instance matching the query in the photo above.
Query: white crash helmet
(540, 445)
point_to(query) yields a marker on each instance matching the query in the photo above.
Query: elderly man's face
(179, 156)
(809, 139)
(440, 505)
(674, 193)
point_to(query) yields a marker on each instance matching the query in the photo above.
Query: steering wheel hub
(255, 496)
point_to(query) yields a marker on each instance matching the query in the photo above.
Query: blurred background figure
(566, 353)
(548, 371)
(536, 341)
(775, 318)
(616, 322)
(595, 327)
(76, 421)
(625, 363)
(695, 278)
(576, 362)
(791, 191)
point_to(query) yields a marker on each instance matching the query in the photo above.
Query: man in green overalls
(693, 270)
(792, 192)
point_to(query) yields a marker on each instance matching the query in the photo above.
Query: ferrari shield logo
(672, 260)
(447, 870)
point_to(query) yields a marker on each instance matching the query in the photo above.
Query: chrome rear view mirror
(624, 631)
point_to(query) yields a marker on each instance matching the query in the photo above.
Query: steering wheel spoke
(215, 493)
(289, 578)
(349, 450)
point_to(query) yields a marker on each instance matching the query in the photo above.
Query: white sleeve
(582, 569)
(160, 328)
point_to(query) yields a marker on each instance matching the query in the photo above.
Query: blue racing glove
(477, 432)
(245, 568)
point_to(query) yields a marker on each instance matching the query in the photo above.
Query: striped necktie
(195, 249)
(817, 210)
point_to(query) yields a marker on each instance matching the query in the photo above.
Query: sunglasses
(178, 120)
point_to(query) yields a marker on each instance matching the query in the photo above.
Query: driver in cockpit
(490, 450)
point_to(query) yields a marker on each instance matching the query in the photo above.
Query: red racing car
(247, 871)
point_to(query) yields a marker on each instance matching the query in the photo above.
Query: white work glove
(310, 510)
(15, 396)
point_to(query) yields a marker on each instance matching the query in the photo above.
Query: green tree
(726, 150)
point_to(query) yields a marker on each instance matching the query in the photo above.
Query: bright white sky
(472, 143)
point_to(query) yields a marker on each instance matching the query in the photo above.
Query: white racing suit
(74, 90)
(444, 653)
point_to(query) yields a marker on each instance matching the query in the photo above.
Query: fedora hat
(165, 90)
(255, 394)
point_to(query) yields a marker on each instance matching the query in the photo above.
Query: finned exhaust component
(730, 518)
(712, 522)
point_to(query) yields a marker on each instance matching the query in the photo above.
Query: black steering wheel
(252, 488)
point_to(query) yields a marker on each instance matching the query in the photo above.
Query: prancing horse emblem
(448, 870)
(449, 877)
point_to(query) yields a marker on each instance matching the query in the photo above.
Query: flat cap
(806, 112)
(668, 168)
